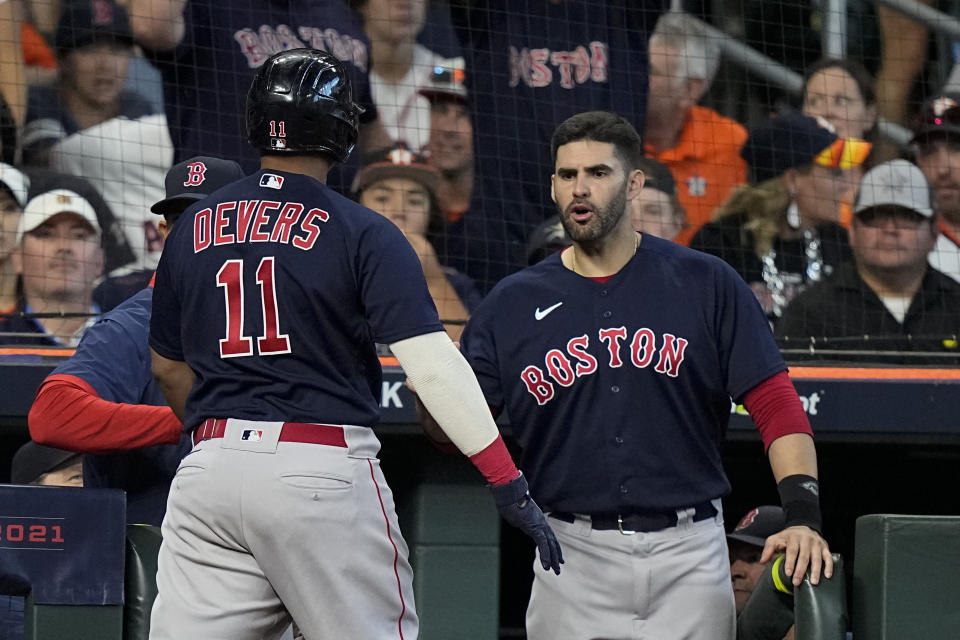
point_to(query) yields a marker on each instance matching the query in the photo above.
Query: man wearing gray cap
(888, 298)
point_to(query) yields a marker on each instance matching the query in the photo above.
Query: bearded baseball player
(269, 299)
(616, 361)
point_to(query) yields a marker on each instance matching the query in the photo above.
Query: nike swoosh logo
(540, 315)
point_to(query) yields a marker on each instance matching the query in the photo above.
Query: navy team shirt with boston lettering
(619, 393)
(531, 64)
(275, 295)
(207, 76)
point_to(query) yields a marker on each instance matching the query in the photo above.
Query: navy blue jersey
(207, 76)
(619, 393)
(275, 291)
(113, 358)
(531, 65)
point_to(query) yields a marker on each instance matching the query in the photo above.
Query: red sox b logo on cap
(195, 177)
(102, 12)
(747, 520)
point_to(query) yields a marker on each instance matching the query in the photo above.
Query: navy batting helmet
(301, 101)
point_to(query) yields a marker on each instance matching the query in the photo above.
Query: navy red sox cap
(757, 525)
(84, 22)
(193, 180)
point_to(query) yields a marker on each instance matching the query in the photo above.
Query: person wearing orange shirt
(701, 147)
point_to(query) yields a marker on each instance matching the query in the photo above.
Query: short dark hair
(856, 70)
(601, 126)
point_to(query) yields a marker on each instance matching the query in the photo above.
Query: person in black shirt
(888, 300)
(781, 234)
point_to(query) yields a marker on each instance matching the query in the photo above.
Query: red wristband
(495, 463)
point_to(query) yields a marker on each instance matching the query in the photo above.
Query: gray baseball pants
(259, 533)
(666, 585)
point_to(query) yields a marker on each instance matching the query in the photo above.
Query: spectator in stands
(94, 44)
(532, 64)
(745, 544)
(888, 298)
(13, 195)
(103, 399)
(450, 148)
(13, 83)
(657, 210)
(401, 187)
(116, 248)
(701, 147)
(399, 66)
(88, 125)
(937, 143)
(781, 234)
(208, 56)
(841, 92)
(59, 258)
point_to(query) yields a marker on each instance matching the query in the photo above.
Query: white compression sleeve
(449, 390)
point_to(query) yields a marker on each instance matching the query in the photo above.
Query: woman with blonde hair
(782, 233)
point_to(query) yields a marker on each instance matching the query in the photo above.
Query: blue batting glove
(518, 508)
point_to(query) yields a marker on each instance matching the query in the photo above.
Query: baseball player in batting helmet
(270, 298)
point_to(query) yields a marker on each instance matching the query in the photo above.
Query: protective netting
(852, 256)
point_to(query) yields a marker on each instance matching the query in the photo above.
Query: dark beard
(603, 222)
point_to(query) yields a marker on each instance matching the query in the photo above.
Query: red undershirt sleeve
(776, 409)
(495, 463)
(67, 413)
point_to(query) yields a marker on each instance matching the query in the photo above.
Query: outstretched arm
(450, 392)
(69, 414)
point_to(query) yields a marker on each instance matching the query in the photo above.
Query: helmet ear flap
(301, 100)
